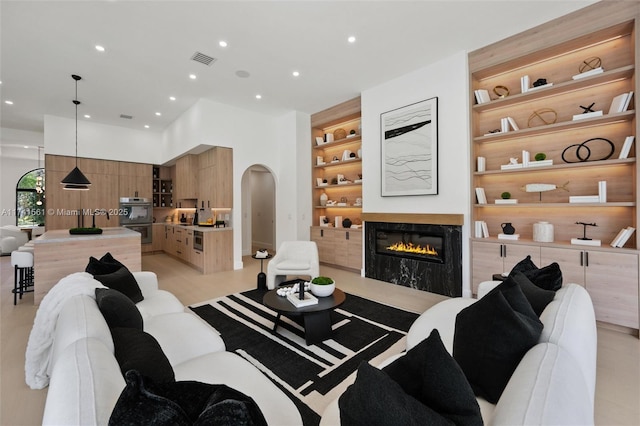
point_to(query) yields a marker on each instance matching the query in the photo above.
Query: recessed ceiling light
(25, 147)
(192, 76)
(146, 126)
(87, 116)
(351, 39)
(296, 73)
(158, 114)
(8, 102)
(242, 74)
(258, 96)
(99, 48)
(172, 98)
(222, 43)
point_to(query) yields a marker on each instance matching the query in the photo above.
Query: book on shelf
(584, 116)
(623, 236)
(540, 163)
(504, 125)
(511, 166)
(506, 201)
(485, 229)
(482, 96)
(524, 83)
(602, 191)
(508, 236)
(480, 195)
(309, 299)
(525, 158)
(319, 140)
(540, 87)
(620, 103)
(478, 229)
(626, 147)
(575, 199)
(581, 242)
(513, 123)
(589, 73)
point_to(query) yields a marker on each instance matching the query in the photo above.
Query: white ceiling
(149, 45)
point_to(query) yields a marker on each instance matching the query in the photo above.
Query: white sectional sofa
(554, 383)
(85, 378)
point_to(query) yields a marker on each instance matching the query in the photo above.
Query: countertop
(195, 228)
(62, 235)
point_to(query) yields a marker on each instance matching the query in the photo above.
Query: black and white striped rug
(312, 375)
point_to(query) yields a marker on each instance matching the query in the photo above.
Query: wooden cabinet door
(341, 247)
(223, 184)
(487, 261)
(612, 283)
(355, 249)
(323, 238)
(514, 253)
(185, 184)
(205, 187)
(571, 263)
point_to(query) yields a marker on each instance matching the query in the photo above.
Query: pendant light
(75, 180)
(39, 181)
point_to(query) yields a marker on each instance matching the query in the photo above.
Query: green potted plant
(322, 286)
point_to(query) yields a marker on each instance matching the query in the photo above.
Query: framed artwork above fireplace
(409, 149)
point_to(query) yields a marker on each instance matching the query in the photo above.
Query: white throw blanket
(38, 353)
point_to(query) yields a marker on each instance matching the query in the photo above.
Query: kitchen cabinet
(135, 180)
(162, 187)
(215, 178)
(185, 185)
(217, 252)
(495, 257)
(614, 291)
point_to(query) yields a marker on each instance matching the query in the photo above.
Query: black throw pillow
(538, 297)
(428, 373)
(106, 265)
(376, 399)
(138, 350)
(117, 309)
(123, 281)
(143, 402)
(491, 337)
(548, 277)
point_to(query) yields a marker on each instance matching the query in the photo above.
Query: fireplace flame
(411, 248)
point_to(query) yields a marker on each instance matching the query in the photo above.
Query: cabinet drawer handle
(586, 258)
(322, 232)
(347, 235)
(581, 258)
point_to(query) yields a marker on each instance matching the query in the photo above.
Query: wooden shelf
(557, 205)
(557, 127)
(338, 163)
(342, 185)
(606, 77)
(338, 207)
(597, 164)
(339, 143)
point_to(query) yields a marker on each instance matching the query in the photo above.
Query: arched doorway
(258, 210)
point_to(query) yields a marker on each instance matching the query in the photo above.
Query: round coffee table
(316, 318)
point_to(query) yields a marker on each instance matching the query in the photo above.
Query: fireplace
(415, 245)
(423, 256)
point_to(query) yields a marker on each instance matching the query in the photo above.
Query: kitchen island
(58, 254)
(213, 251)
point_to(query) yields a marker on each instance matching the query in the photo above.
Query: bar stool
(22, 262)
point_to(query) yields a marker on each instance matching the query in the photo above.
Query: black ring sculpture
(580, 146)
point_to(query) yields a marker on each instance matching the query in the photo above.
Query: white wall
(15, 161)
(448, 81)
(101, 141)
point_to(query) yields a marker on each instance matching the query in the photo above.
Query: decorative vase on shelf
(543, 232)
(323, 199)
(507, 228)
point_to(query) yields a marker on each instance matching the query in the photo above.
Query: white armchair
(11, 237)
(293, 258)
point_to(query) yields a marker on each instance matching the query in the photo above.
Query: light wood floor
(618, 375)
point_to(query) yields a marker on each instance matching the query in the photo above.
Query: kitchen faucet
(93, 221)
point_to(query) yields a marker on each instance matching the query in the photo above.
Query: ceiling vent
(203, 59)
(125, 116)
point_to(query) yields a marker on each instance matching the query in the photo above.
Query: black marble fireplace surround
(440, 273)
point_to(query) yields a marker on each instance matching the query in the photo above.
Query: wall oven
(145, 231)
(198, 240)
(134, 211)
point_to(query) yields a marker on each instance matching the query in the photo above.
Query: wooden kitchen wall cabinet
(185, 185)
(215, 178)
